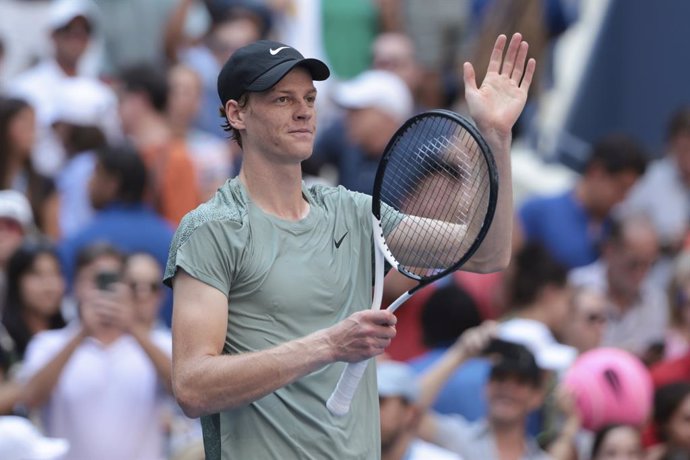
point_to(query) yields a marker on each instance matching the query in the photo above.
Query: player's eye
(282, 99)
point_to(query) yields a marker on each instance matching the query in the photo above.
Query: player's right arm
(206, 381)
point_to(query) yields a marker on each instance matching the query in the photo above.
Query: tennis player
(272, 279)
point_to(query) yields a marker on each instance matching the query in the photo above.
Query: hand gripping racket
(434, 198)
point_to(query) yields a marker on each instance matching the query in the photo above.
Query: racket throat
(400, 300)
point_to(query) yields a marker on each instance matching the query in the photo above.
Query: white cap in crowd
(549, 354)
(84, 101)
(62, 12)
(376, 88)
(15, 206)
(396, 379)
(21, 440)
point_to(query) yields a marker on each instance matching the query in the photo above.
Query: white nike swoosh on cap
(277, 50)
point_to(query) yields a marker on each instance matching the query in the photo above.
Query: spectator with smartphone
(103, 381)
(514, 389)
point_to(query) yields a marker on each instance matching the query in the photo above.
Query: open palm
(496, 105)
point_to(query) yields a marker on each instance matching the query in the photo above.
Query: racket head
(437, 166)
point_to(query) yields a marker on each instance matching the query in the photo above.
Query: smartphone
(105, 280)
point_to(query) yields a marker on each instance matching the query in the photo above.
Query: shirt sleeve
(212, 255)
(42, 348)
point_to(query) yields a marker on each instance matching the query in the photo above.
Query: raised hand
(473, 341)
(496, 105)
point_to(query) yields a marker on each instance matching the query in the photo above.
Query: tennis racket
(434, 199)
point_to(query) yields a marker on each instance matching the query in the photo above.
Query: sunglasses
(596, 318)
(143, 287)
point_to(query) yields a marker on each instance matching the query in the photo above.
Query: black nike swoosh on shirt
(340, 241)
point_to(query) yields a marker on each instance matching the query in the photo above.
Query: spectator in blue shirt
(117, 190)
(571, 225)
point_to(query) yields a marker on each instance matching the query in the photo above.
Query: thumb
(469, 77)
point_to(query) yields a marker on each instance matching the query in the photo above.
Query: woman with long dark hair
(35, 288)
(17, 135)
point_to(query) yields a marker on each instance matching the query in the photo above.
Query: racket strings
(438, 176)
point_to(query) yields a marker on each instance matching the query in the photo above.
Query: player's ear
(235, 114)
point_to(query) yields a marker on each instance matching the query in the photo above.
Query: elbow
(188, 398)
(497, 262)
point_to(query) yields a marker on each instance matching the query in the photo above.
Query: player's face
(281, 123)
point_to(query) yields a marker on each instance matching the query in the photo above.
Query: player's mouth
(302, 133)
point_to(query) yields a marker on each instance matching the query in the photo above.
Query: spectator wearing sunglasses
(586, 319)
(637, 309)
(143, 275)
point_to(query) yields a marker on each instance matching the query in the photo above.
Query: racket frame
(339, 402)
(378, 182)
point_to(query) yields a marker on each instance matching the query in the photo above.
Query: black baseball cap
(260, 65)
(516, 359)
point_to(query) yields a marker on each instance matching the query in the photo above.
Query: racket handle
(339, 402)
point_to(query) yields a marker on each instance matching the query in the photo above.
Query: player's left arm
(495, 107)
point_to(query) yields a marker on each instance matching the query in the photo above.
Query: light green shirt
(285, 280)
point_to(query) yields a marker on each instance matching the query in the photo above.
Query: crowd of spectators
(110, 133)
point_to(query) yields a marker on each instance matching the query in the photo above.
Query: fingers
(470, 77)
(475, 340)
(497, 54)
(511, 55)
(512, 65)
(364, 334)
(529, 73)
(519, 67)
(381, 317)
